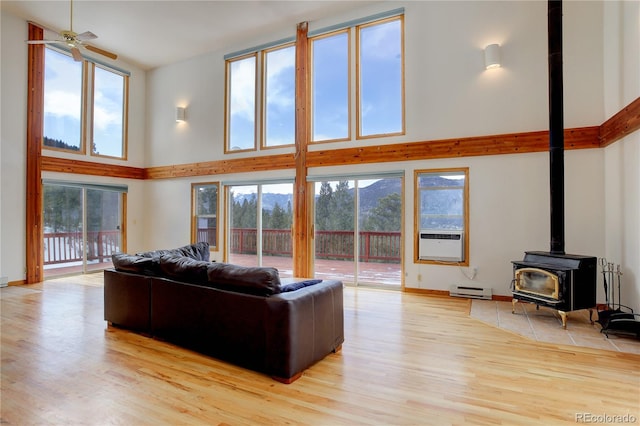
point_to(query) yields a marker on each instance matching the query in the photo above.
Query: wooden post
(302, 212)
(35, 105)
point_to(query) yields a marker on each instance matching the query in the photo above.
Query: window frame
(417, 214)
(125, 111)
(353, 30)
(262, 95)
(227, 103)
(358, 29)
(194, 210)
(87, 108)
(348, 32)
(82, 150)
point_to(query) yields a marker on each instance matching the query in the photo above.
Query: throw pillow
(298, 285)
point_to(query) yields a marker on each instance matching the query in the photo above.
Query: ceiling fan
(75, 41)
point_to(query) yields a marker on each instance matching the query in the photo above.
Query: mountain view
(369, 195)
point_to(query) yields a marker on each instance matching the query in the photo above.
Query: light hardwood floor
(407, 359)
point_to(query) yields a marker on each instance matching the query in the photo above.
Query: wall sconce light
(492, 56)
(180, 114)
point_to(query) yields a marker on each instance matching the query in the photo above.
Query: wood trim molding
(514, 143)
(428, 292)
(35, 104)
(625, 122)
(238, 165)
(65, 165)
(620, 125)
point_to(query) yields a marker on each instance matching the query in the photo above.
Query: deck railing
(66, 247)
(373, 246)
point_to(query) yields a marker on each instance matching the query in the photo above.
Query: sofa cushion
(182, 268)
(134, 264)
(260, 281)
(197, 251)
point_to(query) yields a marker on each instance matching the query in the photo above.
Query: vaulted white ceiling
(152, 33)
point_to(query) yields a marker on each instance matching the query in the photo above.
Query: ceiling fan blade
(77, 56)
(44, 41)
(87, 35)
(101, 51)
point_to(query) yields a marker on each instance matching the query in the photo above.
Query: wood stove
(565, 282)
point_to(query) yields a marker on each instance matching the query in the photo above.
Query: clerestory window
(261, 86)
(85, 106)
(378, 77)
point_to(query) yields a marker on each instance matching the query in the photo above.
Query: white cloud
(279, 89)
(105, 112)
(63, 85)
(381, 41)
(62, 104)
(243, 88)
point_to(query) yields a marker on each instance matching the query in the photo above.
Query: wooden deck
(372, 273)
(376, 274)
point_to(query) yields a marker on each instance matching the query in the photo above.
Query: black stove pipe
(556, 126)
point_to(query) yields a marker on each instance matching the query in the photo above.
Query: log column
(35, 105)
(302, 219)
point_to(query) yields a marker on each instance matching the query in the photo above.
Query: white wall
(448, 95)
(13, 150)
(622, 178)
(13, 147)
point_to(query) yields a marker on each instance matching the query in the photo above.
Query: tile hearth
(545, 325)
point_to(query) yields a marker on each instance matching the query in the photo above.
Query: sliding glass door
(358, 230)
(259, 226)
(103, 221)
(82, 227)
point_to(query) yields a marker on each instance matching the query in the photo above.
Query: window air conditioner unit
(446, 246)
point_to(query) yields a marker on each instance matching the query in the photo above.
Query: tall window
(277, 121)
(443, 203)
(85, 104)
(241, 104)
(280, 95)
(109, 94)
(330, 87)
(378, 75)
(380, 84)
(204, 218)
(62, 102)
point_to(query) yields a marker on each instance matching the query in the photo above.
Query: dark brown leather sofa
(246, 316)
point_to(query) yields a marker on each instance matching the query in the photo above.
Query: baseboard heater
(470, 292)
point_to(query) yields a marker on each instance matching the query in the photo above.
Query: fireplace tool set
(616, 318)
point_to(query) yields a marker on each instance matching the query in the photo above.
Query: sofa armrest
(303, 327)
(127, 300)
